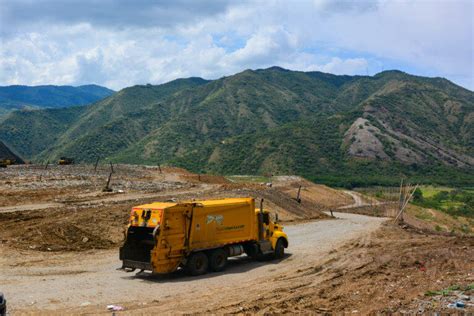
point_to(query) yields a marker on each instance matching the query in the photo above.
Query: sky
(118, 43)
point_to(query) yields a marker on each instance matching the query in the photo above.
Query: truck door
(171, 246)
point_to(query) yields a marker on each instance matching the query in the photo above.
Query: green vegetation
(7, 154)
(448, 291)
(38, 129)
(430, 191)
(247, 179)
(37, 97)
(437, 209)
(455, 202)
(270, 121)
(425, 215)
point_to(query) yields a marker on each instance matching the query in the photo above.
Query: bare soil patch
(393, 270)
(58, 229)
(71, 213)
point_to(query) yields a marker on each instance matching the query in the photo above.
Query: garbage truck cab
(199, 235)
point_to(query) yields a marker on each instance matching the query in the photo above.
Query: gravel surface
(34, 281)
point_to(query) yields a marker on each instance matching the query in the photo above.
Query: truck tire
(218, 260)
(279, 251)
(197, 263)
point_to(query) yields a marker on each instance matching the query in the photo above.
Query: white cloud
(343, 37)
(263, 48)
(338, 66)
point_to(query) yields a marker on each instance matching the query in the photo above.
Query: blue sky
(122, 43)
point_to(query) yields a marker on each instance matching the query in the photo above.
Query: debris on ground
(115, 308)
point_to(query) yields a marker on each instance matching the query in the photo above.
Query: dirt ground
(63, 208)
(392, 270)
(60, 233)
(97, 283)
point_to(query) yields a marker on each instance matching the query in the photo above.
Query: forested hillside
(38, 97)
(343, 130)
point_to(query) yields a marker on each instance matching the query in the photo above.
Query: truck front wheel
(218, 260)
(279, 251)
(197, 264)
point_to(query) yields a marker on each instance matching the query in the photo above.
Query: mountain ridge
(17, 97)
(255, 121)
(7, 154)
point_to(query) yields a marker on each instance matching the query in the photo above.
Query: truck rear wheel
(279, 252)
(218, 260)
(197, 264)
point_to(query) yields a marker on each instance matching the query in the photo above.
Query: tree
(418, 195)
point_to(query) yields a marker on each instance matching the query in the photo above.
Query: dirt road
(357, 200)
(87, 283)
(29, 207)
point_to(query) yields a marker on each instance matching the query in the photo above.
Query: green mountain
(33, 131)
(342, 130)
(27, 97)
(7, 154)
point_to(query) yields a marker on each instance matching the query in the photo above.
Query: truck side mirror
(276, 217)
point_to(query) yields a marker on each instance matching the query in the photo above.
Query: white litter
(115, 308)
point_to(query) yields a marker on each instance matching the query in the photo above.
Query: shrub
(418, 195)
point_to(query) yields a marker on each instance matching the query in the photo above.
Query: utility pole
(96, 163)
(407, 196)
(45, 167)
(107, 186)
(298, 198)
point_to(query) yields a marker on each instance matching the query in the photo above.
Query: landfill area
(61, 227)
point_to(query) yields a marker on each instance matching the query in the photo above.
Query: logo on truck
(214, 218)
(219, 219)
(236, 227)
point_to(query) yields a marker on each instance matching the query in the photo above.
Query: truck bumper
(130, 264)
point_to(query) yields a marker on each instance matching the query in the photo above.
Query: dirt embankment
(394, 270)
(63, 209)
(71, 213)
(378, 271)
(325, 197)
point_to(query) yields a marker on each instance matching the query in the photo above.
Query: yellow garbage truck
(199, 236)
